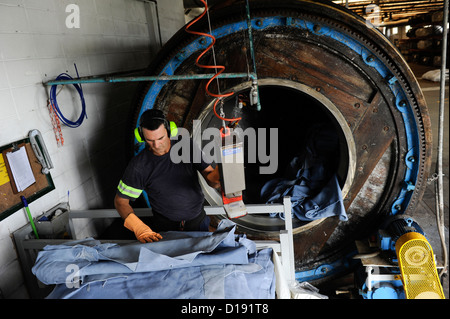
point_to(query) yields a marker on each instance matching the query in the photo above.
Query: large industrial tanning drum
(320, 68)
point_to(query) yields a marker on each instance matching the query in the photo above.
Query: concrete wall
(36, 45)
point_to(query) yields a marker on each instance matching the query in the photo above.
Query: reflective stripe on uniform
(128, 190)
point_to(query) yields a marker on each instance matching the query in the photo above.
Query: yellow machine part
(417, 266)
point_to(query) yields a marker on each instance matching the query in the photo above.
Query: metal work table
(283, 251)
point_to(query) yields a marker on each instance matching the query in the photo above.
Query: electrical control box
(232, 174)
(232, 164)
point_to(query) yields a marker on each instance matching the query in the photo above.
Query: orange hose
(216, 67)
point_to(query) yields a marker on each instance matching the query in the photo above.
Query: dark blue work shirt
(173, 188)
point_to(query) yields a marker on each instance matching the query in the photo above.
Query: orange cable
(220, 67)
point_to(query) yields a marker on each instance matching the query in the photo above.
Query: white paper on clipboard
(20, 168)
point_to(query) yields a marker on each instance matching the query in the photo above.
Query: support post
(287, 242)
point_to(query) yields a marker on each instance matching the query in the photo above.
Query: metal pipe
(398, 6)
(114, 79)
(440, 190)
(252, 56)
(393, 3)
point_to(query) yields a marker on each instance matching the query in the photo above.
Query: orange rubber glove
(143, 233)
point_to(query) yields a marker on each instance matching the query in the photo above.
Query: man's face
(157, 140)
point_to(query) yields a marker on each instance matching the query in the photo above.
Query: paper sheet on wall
(21, 168)
(4, 177)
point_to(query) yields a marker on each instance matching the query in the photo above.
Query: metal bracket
(40, 150)
(254, 94)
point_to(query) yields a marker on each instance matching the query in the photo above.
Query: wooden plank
(309, 244)
(314, 66)
(373, 134)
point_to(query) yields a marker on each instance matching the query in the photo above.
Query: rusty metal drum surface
(316, 63)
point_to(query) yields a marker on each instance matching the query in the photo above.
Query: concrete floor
(425, 213)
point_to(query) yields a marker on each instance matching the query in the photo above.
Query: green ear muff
(137, 135)
(172, 128)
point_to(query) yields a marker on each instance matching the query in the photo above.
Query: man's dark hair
(152, 119)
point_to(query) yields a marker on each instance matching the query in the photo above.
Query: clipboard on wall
(10, 201)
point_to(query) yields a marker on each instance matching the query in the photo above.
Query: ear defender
(137, 135)
(172, 130)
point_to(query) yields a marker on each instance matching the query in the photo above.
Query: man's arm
(132, 222)
(212, 176)
(123, 206)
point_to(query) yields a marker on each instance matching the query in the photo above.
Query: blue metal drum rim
(412, 159)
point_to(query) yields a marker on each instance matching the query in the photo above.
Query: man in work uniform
(173, 189)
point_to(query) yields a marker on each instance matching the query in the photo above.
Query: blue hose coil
(62, 118)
